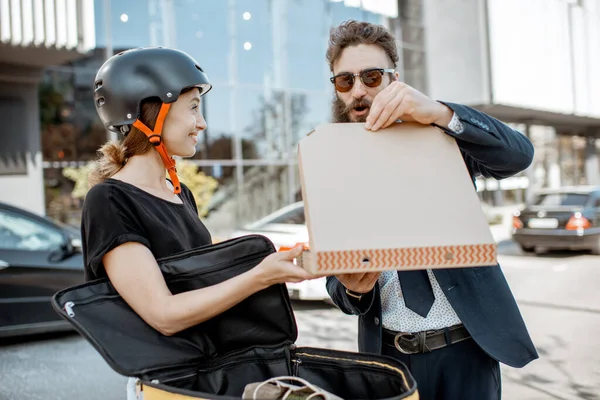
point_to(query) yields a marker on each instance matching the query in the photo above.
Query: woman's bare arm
(143, 287)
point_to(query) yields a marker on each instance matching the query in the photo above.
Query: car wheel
(528, 249)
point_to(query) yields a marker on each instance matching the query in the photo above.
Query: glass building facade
(266, 61)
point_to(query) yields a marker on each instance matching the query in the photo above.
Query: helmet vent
(100, 101)
(98, 84)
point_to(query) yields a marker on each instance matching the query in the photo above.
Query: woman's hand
(280, 268)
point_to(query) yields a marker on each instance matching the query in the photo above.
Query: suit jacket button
(376, 321)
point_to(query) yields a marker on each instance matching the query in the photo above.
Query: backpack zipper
(69, 305)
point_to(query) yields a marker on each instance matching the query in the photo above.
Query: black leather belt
(426, 341)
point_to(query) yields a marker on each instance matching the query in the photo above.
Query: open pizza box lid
(398, 198)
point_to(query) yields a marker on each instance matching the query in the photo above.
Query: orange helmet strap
(155, 137)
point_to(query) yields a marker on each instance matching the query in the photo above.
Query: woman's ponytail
(114, 154)
(112, 158)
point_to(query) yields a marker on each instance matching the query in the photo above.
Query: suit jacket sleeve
(347, 304)
(490, 148)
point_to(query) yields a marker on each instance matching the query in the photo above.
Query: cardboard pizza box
(398, 198)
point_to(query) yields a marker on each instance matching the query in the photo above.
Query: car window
(562, 199)
(293, 217)
(20, 233)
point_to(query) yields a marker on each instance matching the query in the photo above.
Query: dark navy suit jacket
(480, 296)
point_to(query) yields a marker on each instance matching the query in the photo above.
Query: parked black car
(560, 219)
(38, 257)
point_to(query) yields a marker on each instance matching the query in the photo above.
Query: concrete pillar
(530, 173)
(21, 170)
(498, 197)
(575, 158)
(592, 166)
(519, 196)
(553, 167)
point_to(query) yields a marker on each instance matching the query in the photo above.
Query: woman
(133, 215)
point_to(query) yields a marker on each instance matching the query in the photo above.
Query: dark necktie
(417, 291)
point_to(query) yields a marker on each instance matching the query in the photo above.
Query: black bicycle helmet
(130, 77)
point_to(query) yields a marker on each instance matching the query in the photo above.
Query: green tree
(202, 186)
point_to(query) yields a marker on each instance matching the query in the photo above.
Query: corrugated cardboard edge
(354, 261)
(307, 261)
(304, 197)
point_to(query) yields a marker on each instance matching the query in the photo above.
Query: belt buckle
(403, 336)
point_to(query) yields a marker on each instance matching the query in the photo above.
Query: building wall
(456, 51)
(33, 35)
(24, 188)
(534, 54)
(531, 63)
(556, 64)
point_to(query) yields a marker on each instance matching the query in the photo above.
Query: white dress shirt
(396, 316)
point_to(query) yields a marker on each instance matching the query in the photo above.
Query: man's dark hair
(352, 33)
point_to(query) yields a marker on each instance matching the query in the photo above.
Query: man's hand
(399, 101)
(359, 283)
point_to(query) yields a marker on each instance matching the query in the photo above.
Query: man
(451, 327)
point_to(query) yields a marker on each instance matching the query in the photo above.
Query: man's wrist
(445, 116)
(454, 125)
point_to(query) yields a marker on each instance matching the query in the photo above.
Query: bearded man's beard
(341, 113)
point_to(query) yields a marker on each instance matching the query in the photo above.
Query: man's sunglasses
(370, 77)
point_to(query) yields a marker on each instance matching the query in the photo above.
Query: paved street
(558, 294)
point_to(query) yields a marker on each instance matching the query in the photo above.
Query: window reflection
(138, 30)
(272, 121)
(306, 43)
(70, 127)
(18, 233)
(215, 141)
(315, 108)
(261, 122)
(202, 30)
(266, 61)
(219, 211)
(254, 44)
(266, 188)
